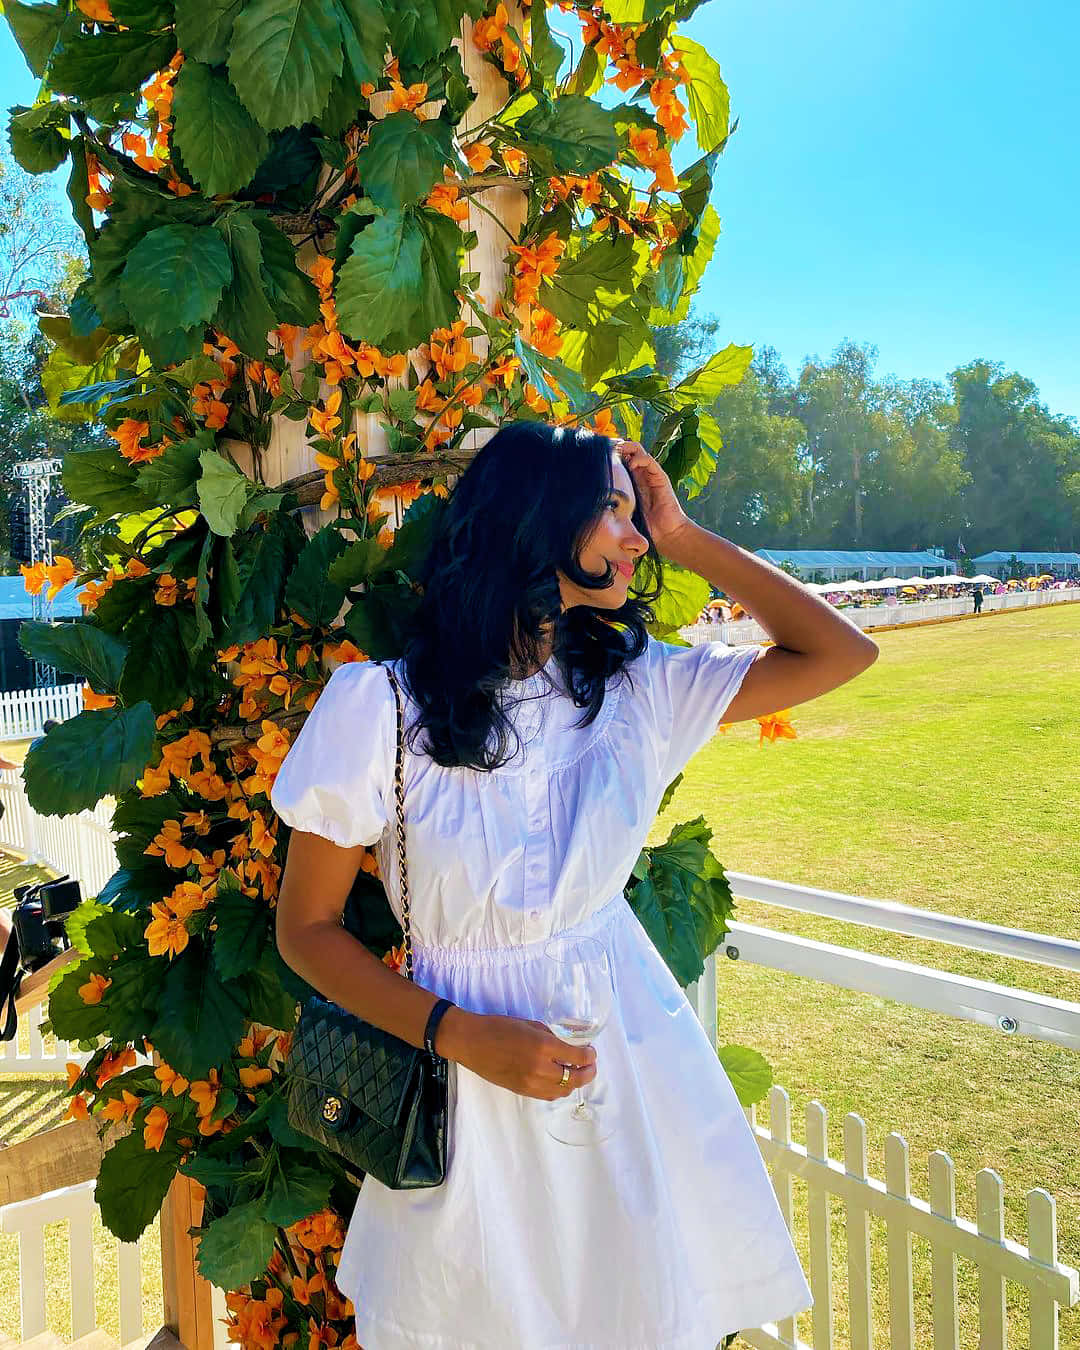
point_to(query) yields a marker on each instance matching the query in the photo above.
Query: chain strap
(399, 795)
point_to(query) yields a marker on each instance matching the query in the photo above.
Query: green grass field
(944, 777)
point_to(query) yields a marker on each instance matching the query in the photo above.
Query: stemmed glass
(577, 1002)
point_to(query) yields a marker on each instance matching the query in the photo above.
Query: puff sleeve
(692, 689)
(337, 778)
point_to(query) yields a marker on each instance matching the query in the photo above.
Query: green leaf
(442, 254)
(102, 479)
(416, 533)
(222, 492)
(145, 15)
(588, 287)
(170, 479)
(77, 649)
(132, 1184)
(198, 370)
(269, 999)
(365, 36)
(357, 563)
(378, 285)
(588, 76)
(243, 928)
(221, 143)
(160, 642)
(93, 755)
(236, 1248)
(108, 63)
(174, 277)
(283, 57)
(725, 368)
(201, 1018)
(420, 30)
(541, 370)
(292, 294)
(379, 619)
(750, 1073)
(706, 95)
(679, 274)
(298, 1190)
(244, 313)
(662, 904)
(36, 28)
(261, 577)
(84, 349)
(573, 133)
(310, 592)
(204, 27)
(547, 55)
(404, 158)
(36, 136)
(684, 596)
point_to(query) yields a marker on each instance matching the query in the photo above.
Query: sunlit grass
(944, 777)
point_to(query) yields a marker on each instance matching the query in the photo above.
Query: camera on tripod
(37, 935)
(38, 919)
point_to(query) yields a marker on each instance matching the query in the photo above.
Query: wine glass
(577, 1002)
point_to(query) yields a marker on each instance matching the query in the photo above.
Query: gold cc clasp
(331, 1109)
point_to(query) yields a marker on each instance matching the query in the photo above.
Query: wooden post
(186, 1294)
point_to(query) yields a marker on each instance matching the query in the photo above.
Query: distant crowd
(723, 609)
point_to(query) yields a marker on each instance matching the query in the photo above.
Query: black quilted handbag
(376, 1102)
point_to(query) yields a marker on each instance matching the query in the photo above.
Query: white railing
(74, 1205)
(29, 1052)
(1050, 1284)
(876, 616)
(80, 846)
(22, 711)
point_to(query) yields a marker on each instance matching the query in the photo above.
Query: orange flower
(322, 274)
(98, 10)
(604, 425)
(515, 160)
(544, 332)
(643, 142)
(129, 435)
(303, 1289)
(154, 1128)
(319, 1231)
(186, 898)
(252, 1077)
(165, 932)
(59, 574)
(121, 1108)
(535, 400)
(451, 350)
(535, 262)
(112, 1065)
(155, 781)
(444, 198)
(167, 844)
(503, 371)
(395, 958)
(170, 1080)
(33, 577)
(478, 155)
(410, 98)
(205, 1093)
(776, 726)
(165, 592)
(92, 990)
(669, 111)
(262, 835)
(326, 422)
(487, 32)
(77, 1108)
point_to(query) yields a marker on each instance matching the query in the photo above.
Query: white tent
(949, 581)
(883, 584)
(845, 585)
(985, 580)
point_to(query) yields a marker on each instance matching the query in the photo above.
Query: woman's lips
(627, 569)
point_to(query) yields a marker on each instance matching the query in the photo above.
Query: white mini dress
(665, 1236)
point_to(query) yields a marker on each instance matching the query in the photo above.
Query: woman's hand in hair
(663, 513)
(515, 1053)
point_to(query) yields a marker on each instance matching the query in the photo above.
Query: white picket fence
(875, 616)
(22, 711)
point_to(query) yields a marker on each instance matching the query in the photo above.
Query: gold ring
(565, 1075)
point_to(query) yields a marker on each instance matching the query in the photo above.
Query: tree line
(838, 456)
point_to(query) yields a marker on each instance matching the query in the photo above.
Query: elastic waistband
(460, 955)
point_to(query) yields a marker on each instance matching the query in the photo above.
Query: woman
(524, 818)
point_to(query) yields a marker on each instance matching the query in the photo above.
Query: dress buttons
(534, 913)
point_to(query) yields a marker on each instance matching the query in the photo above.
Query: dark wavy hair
(524, 506)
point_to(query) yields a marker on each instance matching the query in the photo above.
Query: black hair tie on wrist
(434, 1018)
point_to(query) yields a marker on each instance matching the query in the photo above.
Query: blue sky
(903, 174)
